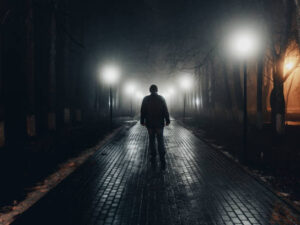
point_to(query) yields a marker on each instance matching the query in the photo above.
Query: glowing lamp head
(110, 74)
(243, 43)
(185, 82)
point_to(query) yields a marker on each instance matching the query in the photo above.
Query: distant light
(170, 91)
(129, 88)
(289, 65)
(197, 101)
(165, 95)
(243, 43)
(110, 74)
(185, 82)
(139, 95)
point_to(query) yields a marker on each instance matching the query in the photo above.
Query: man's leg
(151, 134)
(161, 146)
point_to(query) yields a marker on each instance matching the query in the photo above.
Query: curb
(64, 170)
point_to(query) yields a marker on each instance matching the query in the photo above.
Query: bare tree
(281, 16)
(30, 117)
(52, 71)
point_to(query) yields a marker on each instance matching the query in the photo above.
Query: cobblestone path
(118, 186)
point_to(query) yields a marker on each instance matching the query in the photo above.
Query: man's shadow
(156, 175)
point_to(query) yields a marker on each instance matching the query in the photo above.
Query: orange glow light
(289, 65)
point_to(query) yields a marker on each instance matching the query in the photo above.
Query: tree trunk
(277, 97)
(67, 75)
(80, 75)
(62, 70)
(212, 94)
(238, 91)
(205, 88)
(52, 74)
(283, 21)
(30, 117)
(297, 3)
(2, 132)
(228, 105)
(259, 113)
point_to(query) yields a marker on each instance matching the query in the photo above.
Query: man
(154, 114)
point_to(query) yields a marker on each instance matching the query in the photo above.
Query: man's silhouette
(154, 114)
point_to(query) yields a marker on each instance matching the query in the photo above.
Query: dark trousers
(158, 134)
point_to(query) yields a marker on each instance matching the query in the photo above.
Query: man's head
(153, 89)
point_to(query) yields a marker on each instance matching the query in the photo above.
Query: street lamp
(110, 75)
(129, 89)
(185, 82)
(243, 44)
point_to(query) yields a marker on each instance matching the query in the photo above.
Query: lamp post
(110, 107)
(110, 75)
(139, 96)
(129, 89)
(185, 82)
(197, 103)
(245, 114)
(244, 44)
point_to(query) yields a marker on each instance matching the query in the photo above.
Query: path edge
(245, 169)
(35, 196)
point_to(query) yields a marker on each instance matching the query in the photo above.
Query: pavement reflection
(118, 185)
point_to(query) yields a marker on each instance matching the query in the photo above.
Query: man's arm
(143, 112)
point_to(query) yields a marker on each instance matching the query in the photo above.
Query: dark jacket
(154, 111)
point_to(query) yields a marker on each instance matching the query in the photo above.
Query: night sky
(155, 37)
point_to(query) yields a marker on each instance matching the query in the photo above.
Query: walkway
(118, 186)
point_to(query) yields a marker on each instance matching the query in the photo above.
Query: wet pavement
(119, 186)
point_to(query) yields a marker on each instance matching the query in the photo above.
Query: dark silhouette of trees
(281, 18)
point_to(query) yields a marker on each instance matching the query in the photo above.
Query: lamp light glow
(243, 43)
(139, 95)
(289, 65)
(110, 74)
(170, 91)
(185, 82)
(165, 94)
(197, 102)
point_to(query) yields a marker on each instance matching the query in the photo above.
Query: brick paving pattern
(118, 186)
